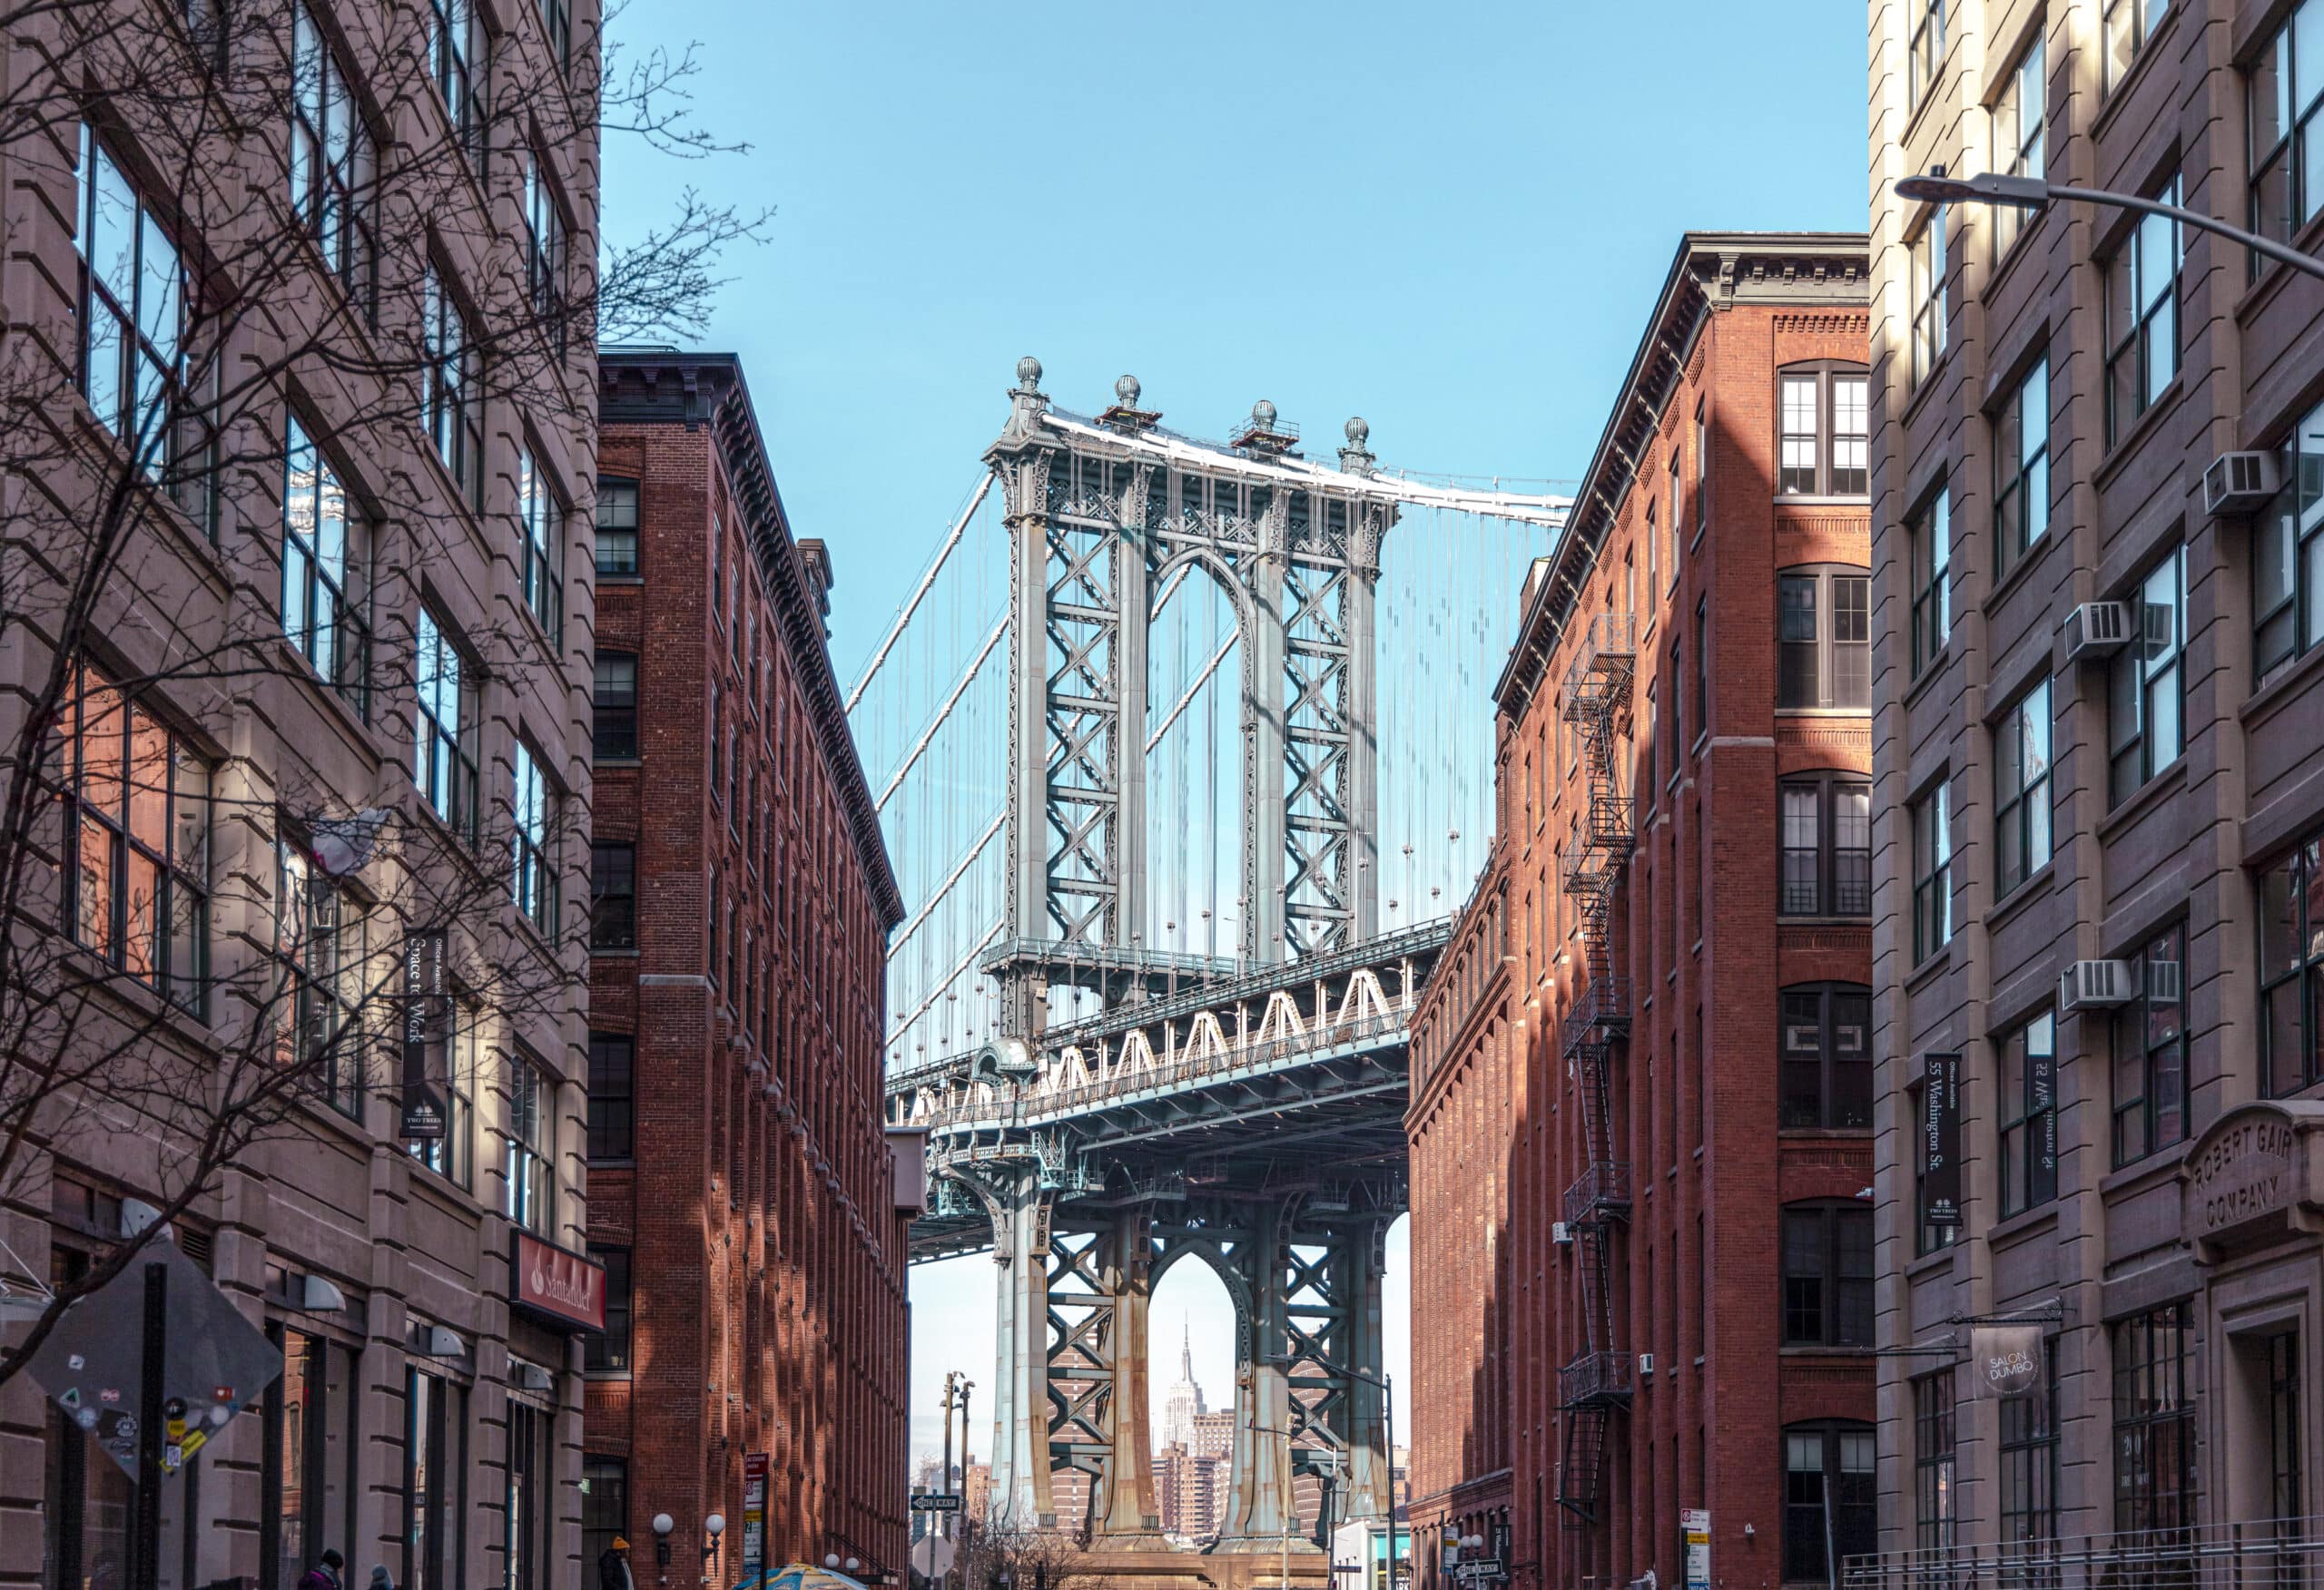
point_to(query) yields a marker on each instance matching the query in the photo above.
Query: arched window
(1824, 1037)
(1828, 1273)
(1830, 1508)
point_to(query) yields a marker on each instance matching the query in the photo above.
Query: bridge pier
(1262, 1510)
(1021, 1494)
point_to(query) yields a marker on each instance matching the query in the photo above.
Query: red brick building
(1641, 1091)
(741, 1196)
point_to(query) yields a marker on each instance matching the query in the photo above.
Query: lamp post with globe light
(1992, 188)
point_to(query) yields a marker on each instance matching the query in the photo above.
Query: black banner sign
(424, 1032)
(1940, 1129)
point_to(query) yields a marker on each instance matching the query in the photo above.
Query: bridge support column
(1262, 1512)
(1021, 1400)
(1362, 861)
(1368, 1486)
(1263, 816)
(1124, 1509)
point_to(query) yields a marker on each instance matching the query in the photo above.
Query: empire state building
(1185, 1404)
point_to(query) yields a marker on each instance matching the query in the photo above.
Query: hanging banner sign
(2042, 1082)
(1940, 1130)
(2005, 1361)
(1694, 1523)
(424, 1024)
(753, 1515)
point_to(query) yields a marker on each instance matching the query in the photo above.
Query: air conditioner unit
(2239, 483)
(1645, 1364)
(2166, 981)
(1560, 1234)
(2097, 629)
(2095, 984)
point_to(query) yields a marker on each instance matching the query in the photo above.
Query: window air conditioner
(2239, 483)
(1560, 1234)
(1645, 1364)
(2097, 629)
(2165, 981)
(2094, 985)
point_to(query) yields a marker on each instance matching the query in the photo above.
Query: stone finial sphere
(1029, 372)
(1126, 389)
(1358, 432)
(1262, 414)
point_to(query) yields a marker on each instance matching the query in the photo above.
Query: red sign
(557, 1283)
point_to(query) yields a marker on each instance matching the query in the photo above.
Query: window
(450, 404)
(133, 313)
(533, 880)
(1702, 466)
(540, 524)
(525, 1518)
(2029, 1466)
(455, 46)
(532, 1123)
(2154, 1422)
(1823, 639)
(320, 939)
(605, 1504)
(2145, 683)
(325, 553)
(138, 836)
(1826, 1275)
(1826, 1048)
(2286, 555)
(445, 724)
(308, 1476)
(1933, 871)
(2281, 101)
(1672, 496)
(1931, 538)
(2129, 24)
(618, 528)
(556, 26)
(2029, 1115)
(1925, 55)
(2022, 468)
(544, 249)
(1830, 1502)
(2141, 318)
(2017, 142)
(2151, 1051)
(612, 1094)
(1702, 667)
(1933, 1513)
(435, 1481)
(1827, 859)
(613, 895)
(1825, 439)
(331, 164)
(2291, 958)
(1928, 295)
(608, 1353)
(2021, 788)
(451, 1156)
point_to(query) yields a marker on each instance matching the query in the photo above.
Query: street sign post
(754, 1467)
(934, 1502)
(1695, 1523)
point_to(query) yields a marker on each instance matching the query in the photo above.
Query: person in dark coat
(324, 1575)
(613, 1568)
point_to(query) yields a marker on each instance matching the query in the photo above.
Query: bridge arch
(1198, 694)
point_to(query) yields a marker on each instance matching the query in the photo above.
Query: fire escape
(1597, 1381)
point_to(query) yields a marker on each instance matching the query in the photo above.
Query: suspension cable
(951, 977)
(925, 580)
(945, 887)
(1201, 679)
(944, 711)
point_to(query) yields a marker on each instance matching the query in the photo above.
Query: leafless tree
(277, 258)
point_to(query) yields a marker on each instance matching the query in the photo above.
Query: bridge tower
(1243, 1111)
(1596, 1383)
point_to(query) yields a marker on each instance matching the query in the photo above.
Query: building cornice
(1711, 272)
(665, 386)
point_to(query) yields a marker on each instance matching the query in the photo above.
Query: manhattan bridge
(1185, 752)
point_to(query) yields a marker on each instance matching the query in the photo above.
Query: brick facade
(1694, 1272)
(754, 1196)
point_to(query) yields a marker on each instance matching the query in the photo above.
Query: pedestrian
(324, 1575)
(613, 1568)
(380, 1580)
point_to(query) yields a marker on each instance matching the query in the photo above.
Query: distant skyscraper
(1185, 1404)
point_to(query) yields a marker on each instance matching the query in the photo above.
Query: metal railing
(1603, 1002)
(1595, 1377)
(2274, 1554)
(1018, 1109)
(1604, 1188)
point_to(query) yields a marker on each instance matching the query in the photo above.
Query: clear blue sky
(1450, 218)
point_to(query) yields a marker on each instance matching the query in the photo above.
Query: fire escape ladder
(1596, 701)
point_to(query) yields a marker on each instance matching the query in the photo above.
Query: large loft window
(1823, 639)
(326, 560)
(1928, 295)
(456, 58)
(540, 525)
(1824, 1036)
(533, 876)
(2143, 317)
(2018, 116)
(2029, 1114)
(1826, 1275)
(444, 726)
(2127, 25)
(1931, 533)
(1824, 415)
(1831, 1501)
(617, 527)
(2151, 1050)
(2282, 97)
(2287, 554)
(1931, 819)
(1826, 845)
(451, 406)
(2021, 443)
(2146, 683)
(2021, 788)
(332, 168)
(1925, 51)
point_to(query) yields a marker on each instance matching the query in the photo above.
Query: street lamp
(1992, 188)
(716, 1525)
(663, 1524)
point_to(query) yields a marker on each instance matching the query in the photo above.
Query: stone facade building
(2098, 825)
(743, 1202)
(1641, 1073)
(295, 417)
